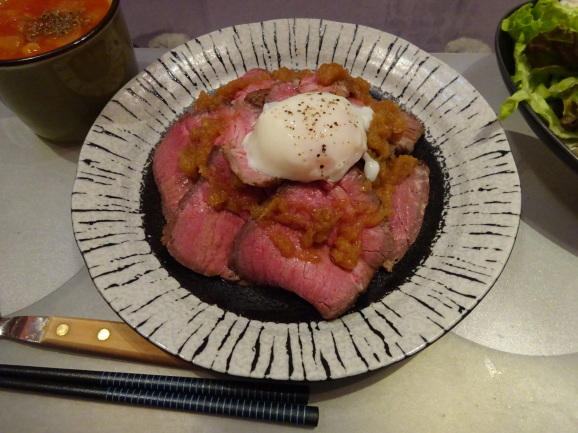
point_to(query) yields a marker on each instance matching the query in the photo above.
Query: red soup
(31, 27)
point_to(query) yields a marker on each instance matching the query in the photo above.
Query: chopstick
(258, 401)
(189, 385)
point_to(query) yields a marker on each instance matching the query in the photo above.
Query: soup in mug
(32, 27)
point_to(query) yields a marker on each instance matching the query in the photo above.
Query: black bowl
(504, 46)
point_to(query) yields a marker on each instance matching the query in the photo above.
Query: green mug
(60, 93)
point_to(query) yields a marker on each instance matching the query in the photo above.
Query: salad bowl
(504, 46)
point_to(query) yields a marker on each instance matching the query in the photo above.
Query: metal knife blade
(101, 337)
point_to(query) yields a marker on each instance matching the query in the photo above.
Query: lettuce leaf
(554, 85)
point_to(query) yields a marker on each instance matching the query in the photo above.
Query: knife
(102, 337)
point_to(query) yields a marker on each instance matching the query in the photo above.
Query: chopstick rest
(205, 396)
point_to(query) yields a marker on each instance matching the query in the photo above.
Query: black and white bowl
(470, 228)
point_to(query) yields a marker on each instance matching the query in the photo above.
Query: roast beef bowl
(220, 251)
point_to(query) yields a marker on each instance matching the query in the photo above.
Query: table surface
(510, 365)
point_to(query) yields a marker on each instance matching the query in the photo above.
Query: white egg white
(308, 137)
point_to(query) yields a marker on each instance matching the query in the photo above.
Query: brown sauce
(226, 93)
(194, 158)
(289, 75)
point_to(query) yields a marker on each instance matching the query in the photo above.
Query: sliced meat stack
(220, 222)
(332, 289)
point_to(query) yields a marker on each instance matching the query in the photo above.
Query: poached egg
(311, 136)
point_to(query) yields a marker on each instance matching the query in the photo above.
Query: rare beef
(278, 91)
(330, 288)
(200, 236)
(405, 143)
(311, 84)
(237, 156)
(409, 202)
(242, 121)
(281, 91)
(171, 181)
(254, 80)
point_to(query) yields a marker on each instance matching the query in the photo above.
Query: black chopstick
(273, 411)
(285, 393)
(61, 383)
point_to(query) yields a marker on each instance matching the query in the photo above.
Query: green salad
(546, 56)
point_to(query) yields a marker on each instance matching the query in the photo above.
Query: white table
(510, 366)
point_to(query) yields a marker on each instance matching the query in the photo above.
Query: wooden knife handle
(102, 337)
